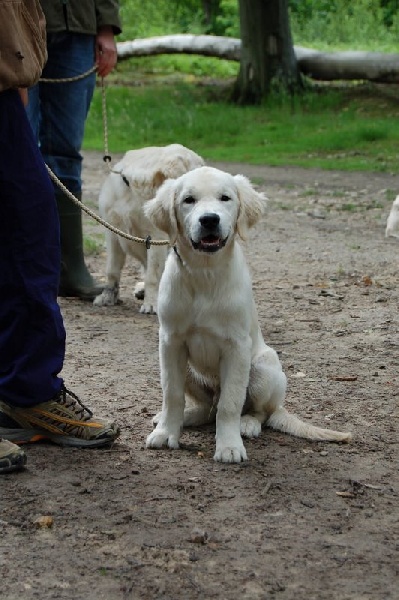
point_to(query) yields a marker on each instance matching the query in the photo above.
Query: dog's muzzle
(210, 237)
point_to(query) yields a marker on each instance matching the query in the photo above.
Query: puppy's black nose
(210, 220)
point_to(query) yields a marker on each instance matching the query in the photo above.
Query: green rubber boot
(76, 280)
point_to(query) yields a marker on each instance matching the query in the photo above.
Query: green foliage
(144, 19)
(339, 24)
(162, 17)
(156, 100)
(325, 24)
(227, 21)
(334, 129)
(390, 9)
(322, 24)
(191, 67)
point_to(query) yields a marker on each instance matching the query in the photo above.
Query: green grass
(92, 246)
(354, 128)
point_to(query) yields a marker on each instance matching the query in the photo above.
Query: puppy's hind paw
(156, 418)
(139, 290)
(148, 309)
(108, 297)
(250, 426)
(160, 438)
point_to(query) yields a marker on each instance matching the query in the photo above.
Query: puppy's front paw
(230, 454)
(250, 426)
(160, 437)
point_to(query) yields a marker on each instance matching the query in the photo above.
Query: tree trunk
(268, 59)
(208, 8)
(322, 66)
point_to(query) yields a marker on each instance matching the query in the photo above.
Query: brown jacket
(23, 51)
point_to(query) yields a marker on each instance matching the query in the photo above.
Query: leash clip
(148, 242)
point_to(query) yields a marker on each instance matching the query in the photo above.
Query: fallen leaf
(198, 536)
(366, 280)
(44, 521)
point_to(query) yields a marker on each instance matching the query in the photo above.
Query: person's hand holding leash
(106, 52)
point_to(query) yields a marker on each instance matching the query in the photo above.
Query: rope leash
(148, 241)
(68, 79)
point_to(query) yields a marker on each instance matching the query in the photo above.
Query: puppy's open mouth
(209, 243)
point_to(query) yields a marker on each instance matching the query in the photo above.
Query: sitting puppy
(133, 181)
(392, 228)
(214, 361)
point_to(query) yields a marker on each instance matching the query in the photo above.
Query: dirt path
(299, 520)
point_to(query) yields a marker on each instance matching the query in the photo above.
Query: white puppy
(214, 361)
(133, 181)
(392, 228)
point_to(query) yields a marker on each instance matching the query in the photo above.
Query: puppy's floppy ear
(161, 209)
(158, 178)
(176, 165)
(252, 205)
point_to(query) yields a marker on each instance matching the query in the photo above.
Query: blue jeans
(57, 111)
(32, 334)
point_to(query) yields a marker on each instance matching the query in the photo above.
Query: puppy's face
(206, 207)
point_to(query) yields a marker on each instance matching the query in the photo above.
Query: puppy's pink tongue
(210, 242)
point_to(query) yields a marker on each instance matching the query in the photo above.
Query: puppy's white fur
(134, 180)
(392, 228)
(214, 361)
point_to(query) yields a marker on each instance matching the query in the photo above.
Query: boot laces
(71, 400)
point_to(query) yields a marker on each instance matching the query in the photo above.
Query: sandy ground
(299, 520)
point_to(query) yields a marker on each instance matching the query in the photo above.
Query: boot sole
(17, 464)
(32, 436)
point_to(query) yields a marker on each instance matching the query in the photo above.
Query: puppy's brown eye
(189, 200)
(225, 198)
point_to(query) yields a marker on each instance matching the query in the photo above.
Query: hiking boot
(12, 458)
(64, 420)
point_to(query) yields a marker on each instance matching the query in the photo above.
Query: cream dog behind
(133, 181)
(214, 361)
(392, 228)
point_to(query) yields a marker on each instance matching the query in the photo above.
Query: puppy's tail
(283, 421)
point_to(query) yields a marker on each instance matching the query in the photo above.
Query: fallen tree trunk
(351, 65)
(207, 45)
(322, 66)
